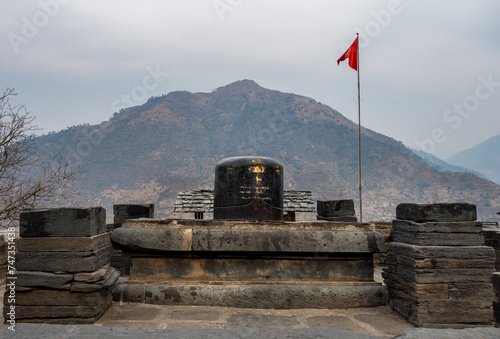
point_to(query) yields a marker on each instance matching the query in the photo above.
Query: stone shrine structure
(438, 270)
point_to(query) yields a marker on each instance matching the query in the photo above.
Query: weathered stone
(473, 227)
(63, 244)
(439, 239)
(432, 252)
(433, 276)
(25, 312)
(344, 218)
(134, 293)
(434, 263)
(89, 277)
(355, 268)
(287, 241)
(335, 208)
(131, 211)
(43, 279)
(62, 222)
(63, 261)
(107, 283)
(495, 279)
(278, 296)
(442, 212)
(46, 297)
(136, 239)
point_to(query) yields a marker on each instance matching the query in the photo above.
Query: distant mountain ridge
(443, 166)
(148, 153)
(484, 158)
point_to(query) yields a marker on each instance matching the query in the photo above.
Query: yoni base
(277, 265)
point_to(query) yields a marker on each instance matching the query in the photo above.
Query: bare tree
(27, 180)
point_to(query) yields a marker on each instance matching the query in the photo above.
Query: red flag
(352, 55)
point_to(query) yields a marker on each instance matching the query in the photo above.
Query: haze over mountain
(150, 152)
(484, 158)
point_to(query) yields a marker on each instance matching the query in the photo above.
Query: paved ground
(378, 322)
(134, 320)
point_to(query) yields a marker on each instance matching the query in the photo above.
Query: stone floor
(379, 322)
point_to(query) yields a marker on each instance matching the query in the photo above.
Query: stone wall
(62, 272)
(438, 270)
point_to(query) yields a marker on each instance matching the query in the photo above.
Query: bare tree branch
(26, 180)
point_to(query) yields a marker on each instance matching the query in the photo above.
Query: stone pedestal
(438, 269)
(336, 210)
(250, 264)
(64, 279)
(495, 279)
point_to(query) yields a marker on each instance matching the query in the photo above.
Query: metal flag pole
(359, 137)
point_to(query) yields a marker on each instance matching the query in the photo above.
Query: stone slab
(433, 263)
(439, 239)
(277, 296)
(89, 277)
(123, 212)
(63, 261)
(47, 297)
(495, 279)
(426, 312)
(107, 283)
(473, 227)
(138, 239)
(43, 279)
(335, 208)
(62, 222)
(258, 321)
(258, 269)
(26, 312)
(450, 252)
(338, 219)
(287, 241)
(63, 244)
(441, 212)
(434, 276)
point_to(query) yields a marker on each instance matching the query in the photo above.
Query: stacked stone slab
(121, 213)
(438, 269)
(62, 266)
(495, 279)
(492, 238)
(336, 210)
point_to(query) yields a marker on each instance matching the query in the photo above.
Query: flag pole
(359, 140)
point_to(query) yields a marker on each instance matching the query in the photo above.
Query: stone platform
(280, 265)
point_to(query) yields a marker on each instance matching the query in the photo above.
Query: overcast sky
(430, 70)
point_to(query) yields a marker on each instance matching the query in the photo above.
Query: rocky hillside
(148, 153)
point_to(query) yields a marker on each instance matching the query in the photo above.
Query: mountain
(442, 165)
(484, 158)
(171, 143)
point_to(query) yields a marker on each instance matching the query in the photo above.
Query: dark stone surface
(43, 279)
(277, 296)
(63, 261)
(438, 239)
(131, 211)
(287, 241)
(434, 252)
(248, 188)
(48, 297)
(466, 333)
(63, 244)
(467, 227)
(442, 212)
(336, 208)
(62, 222)
(137, 239)
(495, 279)
(338, 219)
(321, 268)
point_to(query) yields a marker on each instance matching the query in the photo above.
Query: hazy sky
(430, 70)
